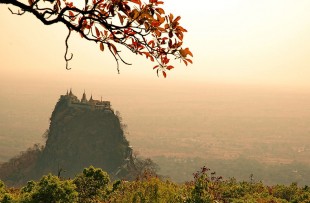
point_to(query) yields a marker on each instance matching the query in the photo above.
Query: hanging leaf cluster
(142, 27)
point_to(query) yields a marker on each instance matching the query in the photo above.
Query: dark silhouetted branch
(67, 59)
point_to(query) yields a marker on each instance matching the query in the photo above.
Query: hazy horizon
(217, 121)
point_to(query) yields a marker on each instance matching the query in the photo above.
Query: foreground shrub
(2, 189)
(8, 195)
(152, 190)
(49, 189)
(205, 188)
(91, 185)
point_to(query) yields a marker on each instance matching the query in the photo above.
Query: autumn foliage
(142, 27)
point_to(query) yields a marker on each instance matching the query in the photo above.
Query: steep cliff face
(80, 136)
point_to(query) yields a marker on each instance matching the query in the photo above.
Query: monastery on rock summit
(92, 104)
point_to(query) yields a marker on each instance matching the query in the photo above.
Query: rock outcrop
(81, 133)
(80, 136)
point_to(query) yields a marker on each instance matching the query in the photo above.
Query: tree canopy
(144, 28)
(93, 186)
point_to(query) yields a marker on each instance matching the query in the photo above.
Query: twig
(19, 13)
(66, 53)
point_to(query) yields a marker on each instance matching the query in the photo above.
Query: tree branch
(18, 13)
(144, 29)
(67, 59)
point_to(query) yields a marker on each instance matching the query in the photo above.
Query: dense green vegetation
(94, 185)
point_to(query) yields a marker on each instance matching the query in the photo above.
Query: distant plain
(209, 122)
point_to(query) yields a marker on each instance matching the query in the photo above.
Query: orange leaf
(177, 19)
(189, 60)
(136, 2)
(121, 18)
(185, 62)
(71, 14)
(156, 2)
(180, 28)
(170, 43)
(151, 43)
(185, 52)
(148, 55)
(179, 35)
(101, 46)
(155, 23)
(179, 44)
(157, 33)
(160, 19)
(113, 48)
(164, 74)
(134, 14)
(160, 10)
(170, 34)
(70, 5)
(189, 52)
(97, 32)
(171, 17)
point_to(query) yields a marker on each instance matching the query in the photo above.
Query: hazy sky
(233, 41)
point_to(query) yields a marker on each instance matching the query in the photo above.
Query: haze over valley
(208, 122)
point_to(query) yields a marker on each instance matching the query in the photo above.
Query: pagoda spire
(84, 99)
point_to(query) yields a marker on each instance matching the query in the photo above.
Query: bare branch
(18, 13)
(67, 59)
